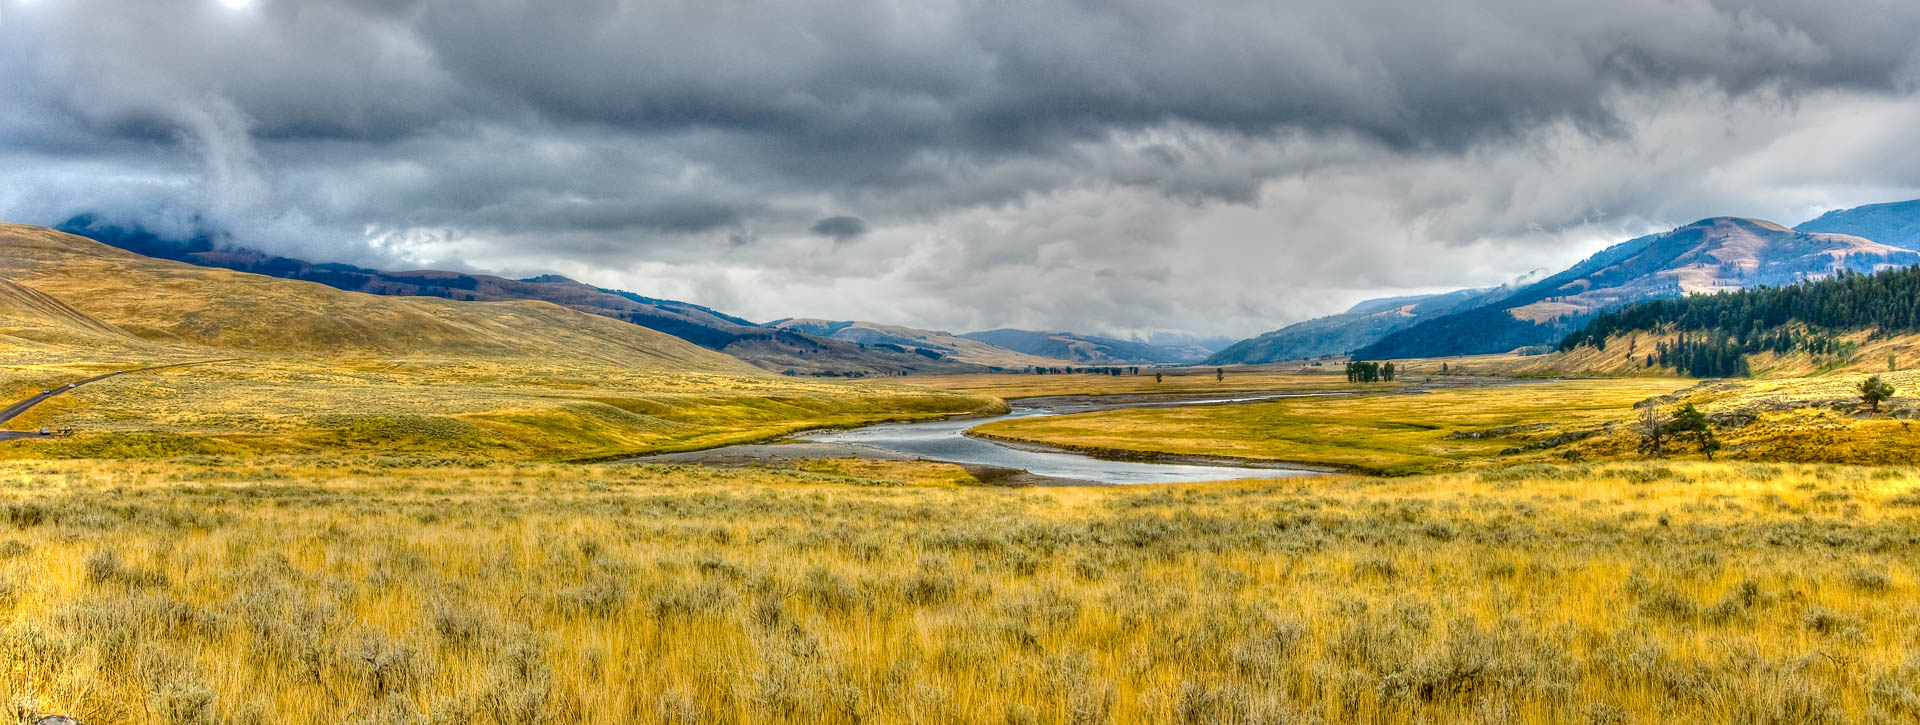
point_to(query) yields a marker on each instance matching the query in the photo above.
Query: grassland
(509, 409)
(1381, 432)
(459, 591)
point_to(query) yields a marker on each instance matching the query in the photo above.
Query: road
(14, 411)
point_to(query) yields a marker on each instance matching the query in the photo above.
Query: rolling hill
(1089, 349)
(100, 289)
(773, 349)
(308, 368)
(1717, 254)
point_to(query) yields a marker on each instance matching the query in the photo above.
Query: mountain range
(1091, 349)
(1716, 254)
(794, 346)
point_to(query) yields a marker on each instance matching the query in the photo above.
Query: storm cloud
(1116, 167)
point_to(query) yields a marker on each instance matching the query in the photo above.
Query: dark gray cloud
(1112, 167)
(840, 228)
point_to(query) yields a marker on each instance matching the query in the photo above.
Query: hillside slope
(1359, 326)
(1717, 254)
(171, 302)
(1087, 349)
(770, 349)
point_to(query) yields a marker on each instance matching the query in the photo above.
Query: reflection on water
(945, 440)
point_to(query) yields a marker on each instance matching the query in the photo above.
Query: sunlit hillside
(305, 367)
(172, 302)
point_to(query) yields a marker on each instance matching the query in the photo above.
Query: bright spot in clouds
(236, 4)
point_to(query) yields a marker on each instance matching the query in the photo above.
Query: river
(946, 440)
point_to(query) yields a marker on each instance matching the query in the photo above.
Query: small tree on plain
(1157, 377)
(1690, 421)
(1219, 374)
(1873, 390)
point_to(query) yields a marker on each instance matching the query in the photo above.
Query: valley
(416, 508)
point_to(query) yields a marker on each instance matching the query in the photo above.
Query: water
(945, 440)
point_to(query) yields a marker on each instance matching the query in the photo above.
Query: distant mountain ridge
(765, 347)
(920, 342)
(1088, 349)
(1896, 223)
(1716, 254)
(1333, 335)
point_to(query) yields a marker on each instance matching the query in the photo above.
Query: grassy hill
(321, 369)
(779, 350)
(171, 302)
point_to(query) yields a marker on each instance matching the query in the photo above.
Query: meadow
(447, 590)
(1376, 429)
(502, 408)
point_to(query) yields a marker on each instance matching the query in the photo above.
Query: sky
(1115, 166)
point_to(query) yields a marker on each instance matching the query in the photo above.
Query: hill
(939, 346)
(770, 349)
(1711, 255)
(307, 368)
(1359, 326)
(1896, 224)
(1088, 349)
(29, 317)
(170, 302)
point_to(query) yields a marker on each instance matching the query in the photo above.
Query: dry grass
(400, 591)
(502, 408)
(1388, 433)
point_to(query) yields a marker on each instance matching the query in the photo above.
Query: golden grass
(435, 590)
(175, 305)
(1387, 433)
(513, 409)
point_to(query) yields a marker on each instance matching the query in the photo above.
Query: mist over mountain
(770, 348)
(1089, 349)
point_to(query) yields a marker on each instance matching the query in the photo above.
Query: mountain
(928, 343)
(1711, 255)
(1359, 326)
(767, 348)
(97, 290)
(1896, 224)
(1088, 349)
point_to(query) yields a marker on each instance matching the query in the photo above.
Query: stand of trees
(1800, 316)
(1130, 370)
(1763, 318)
(1369, 372)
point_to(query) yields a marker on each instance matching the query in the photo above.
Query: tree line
(1128, 370)
(1369, 372)
(1758, 319)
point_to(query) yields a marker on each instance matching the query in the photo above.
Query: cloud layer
(1113, 167)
